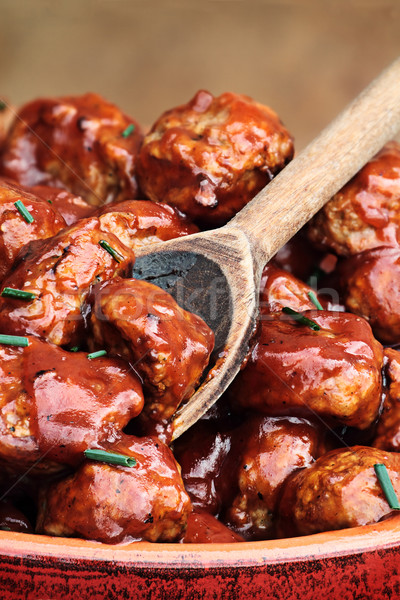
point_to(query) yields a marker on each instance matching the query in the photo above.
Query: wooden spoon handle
(311, 179)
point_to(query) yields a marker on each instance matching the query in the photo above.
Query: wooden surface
(305, 58)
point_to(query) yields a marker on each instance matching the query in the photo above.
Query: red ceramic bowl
(352, 564)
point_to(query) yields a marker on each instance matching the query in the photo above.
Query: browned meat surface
(339, 490)
(334, 373)
(83, 144)
(365, 213)
(114, 504)
(209, 157)
(168, 346)
(140, 222)
(61, 271)
(15, 231)
(55, 404)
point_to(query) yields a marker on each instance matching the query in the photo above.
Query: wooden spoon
(216, 274)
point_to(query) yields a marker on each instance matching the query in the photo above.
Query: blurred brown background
(305, 58)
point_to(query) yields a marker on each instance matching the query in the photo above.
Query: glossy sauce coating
(279, 288)
(70, 206)
(60, 271)
(75, 143)
(15, 232)
(388, 431)
(370, 286)
(333, 373)
(209, 157)
(274, 448)
(203, 528)
(114, 504)
(140, 222)
(168, 346)
(55, 404)
(365, 213)
(339, 490)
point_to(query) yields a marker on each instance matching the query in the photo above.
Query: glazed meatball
(334, 373)
(61, 271)
(83, 144)
(203, 528)
(15, 230)
(168, 346)
(279, 288)
(365, 213)
(55, 404)
(140, 222)
(370, 286)
(339, 490)
(210, 156)
(388, 430)
(114, 504)
(274, 448)
(72, 208)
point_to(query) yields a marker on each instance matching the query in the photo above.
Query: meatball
(365, 213)
(203, 528)
(55, 404)
(61, 271)
(168, 346)
(388, 430)
(15, 230)
(208, 472)
(83, 144)
(274, 448)
(334, 373)
(370, 287)
(279, 288)
(209, 157)
(71, 207)
(112, 504)
(339, 490)
(140, 222)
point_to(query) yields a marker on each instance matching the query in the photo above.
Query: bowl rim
(343, 542)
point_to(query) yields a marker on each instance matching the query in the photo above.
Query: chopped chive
(127, 132)
(387, 486)
(96, 354)
(116, 255)
(317, 273)
(315, 300)
(23, 211)
(74, 349)
(3, 105)
(301, 318)
(111, 458)
(20, 294)
(14, 340)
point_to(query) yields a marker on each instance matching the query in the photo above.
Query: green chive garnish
(20, 294)
(315, 300)
(3, 105)
(23, 211)
(96, 354)
(74, 349)
(111, 458)
(127, 132)
(14, 340)
(387, 486)
(116, 255)
(301, 318)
